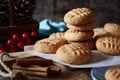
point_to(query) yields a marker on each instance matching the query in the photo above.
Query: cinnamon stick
(55, 68)
(36, 61)
(41, 74)
(31, 68)
(50, 71)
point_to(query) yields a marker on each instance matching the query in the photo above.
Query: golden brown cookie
(98, 32)
(113, 73)
(74, 54)
(109, 45)
(78, 16)
(48, 45)
(59, 35)
(76, 35)
(85, 27)
(87, 43)
(112, 28)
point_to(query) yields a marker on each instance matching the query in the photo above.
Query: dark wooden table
(66, 74)
(75, 74)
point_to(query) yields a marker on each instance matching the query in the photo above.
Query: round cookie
(74, 54)
(78, 16)
(48, 45)
(109, 45)
(113, 73)
(59, 35)
(84, 27)
(98, 32)
(76, 35)
(112, 28)
(90, 44)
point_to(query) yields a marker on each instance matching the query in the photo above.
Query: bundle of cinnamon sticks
(37, 67)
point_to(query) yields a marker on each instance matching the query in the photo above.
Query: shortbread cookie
(87, 43)
(112, 28)
(76, 35)
(48, 45)
(98, 32)
(84, 27)
(74, 54)
(109, 45)
(59, 35)
(113, 73)
(78, 16)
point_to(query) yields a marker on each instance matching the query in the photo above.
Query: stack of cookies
(80, 23)
(72, 46)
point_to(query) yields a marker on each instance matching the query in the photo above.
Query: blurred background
(104, 10)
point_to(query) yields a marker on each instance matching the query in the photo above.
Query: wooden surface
(66, 74)
(74, 74)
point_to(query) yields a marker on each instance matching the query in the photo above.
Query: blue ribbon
(48, 27)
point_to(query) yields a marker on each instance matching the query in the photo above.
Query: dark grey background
(104, 10)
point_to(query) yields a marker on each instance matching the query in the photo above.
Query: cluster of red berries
(18, 41)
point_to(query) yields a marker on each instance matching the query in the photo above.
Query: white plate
(99, 59)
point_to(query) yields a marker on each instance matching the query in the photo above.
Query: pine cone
(24, 10)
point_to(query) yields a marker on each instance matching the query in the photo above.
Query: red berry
(13, 46)
(10, 42)
(25, 35)
(1, 46)
(2, 50)
(34, 33)
(16, 37)
(28, 42)
(20, 45)
(12, 50)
